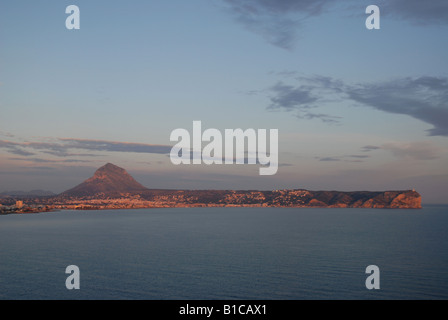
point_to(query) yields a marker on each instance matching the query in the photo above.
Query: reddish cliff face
(408, 199)
(393, 200)
(108, 179)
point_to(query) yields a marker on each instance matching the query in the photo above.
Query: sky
(356, 109)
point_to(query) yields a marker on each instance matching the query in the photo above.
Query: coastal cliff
(152, 198)
(111, 187)
(409, 199)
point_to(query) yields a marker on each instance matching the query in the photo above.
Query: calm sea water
(226, 253)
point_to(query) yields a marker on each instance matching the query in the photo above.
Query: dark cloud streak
(289, 98)
(417, 12)
(14, 148)
(114, 146)
(62, 147)
(301, 99)
(369, 148)
(424, 98)
(279, 21)
(329, 159)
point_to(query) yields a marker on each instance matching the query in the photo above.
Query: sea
(226, 254)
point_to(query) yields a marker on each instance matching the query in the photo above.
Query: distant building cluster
(20, 207)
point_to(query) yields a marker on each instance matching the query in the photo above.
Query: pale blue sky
(136, 70)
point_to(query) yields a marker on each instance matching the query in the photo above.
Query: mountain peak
(110, 168)
(108, 180)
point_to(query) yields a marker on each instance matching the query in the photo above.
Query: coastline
(156, 198)
(102, 208)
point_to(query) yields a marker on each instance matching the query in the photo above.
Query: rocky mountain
(107, 180)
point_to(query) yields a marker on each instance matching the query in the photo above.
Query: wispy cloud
(280, 21)
(283, 164)
(115, 146)
(346, 158)
(329, 159)
(321, 116)
(415, 150)
(369, 148)
(434, 12)
(358, 156)
(424, 98)
(419, 150)
(289, 98)
(276, 21)
(63, 147)
(20, 152)
(301, 99)
(14, 148)
(40, 160)
(64, 153)
(38, 168)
